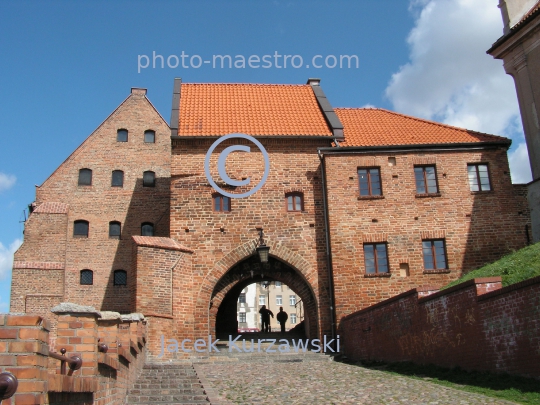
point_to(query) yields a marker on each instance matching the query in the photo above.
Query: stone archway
(206, 306)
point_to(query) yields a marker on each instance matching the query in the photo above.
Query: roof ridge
(246, 84)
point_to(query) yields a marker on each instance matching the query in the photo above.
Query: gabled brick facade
(185, 276)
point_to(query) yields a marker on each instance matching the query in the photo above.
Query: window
(375, 258)
(80, 229)
(221, 203)
(242, 298)
(279, 301)
(147, 229)
(292, 300)
(426, 180)
(277, 284)
(87, 277)
(120, 277)
(478, 177)
(434, 252)
(122, 135)
(262, 301)
(117, 178)
(114, 230)
(242, 317)
(293, 319)
(295, 202)
(85, 177)
(149, 179)
(369, 181)
(149, 136)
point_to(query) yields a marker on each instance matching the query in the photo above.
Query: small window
(149, 136)
(277, 284)
(262, 300)
(279, 301)
(293, 319)
(369, 181)
(114, 230)
(292, 300)
(120, 277)
(478, 177)
(242, 298)
(80, 229)
(149, 179)
(87, 277)
(426, 180)
(375, 258)
(295, 202)
(117, 178)
(122, 135)
(221, 203)
(85, 177)
(147, 229)
(434, 252)
(242, 317)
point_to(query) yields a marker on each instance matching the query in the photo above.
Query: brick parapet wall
(466, 326)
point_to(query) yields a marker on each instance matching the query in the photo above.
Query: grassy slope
(513, 268)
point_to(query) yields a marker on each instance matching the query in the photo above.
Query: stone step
(156, 399)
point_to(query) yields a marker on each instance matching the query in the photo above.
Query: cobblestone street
(315, 379)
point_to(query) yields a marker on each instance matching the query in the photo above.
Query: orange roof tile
(253, 109)
(378, 127)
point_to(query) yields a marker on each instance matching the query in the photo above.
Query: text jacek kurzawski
(250, 345)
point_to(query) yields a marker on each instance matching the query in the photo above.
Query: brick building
(359, 205)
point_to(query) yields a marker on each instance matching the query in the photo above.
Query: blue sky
(65, 66)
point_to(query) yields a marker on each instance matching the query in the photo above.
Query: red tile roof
(52, 208)
(160, 243)
(208, 109)
(378, 127)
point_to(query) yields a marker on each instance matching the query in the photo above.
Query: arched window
(147, 229)
(149, 136)
(122, 135)
(85, 177)
(80, 229)
(87, 277)
(295, 201)
(149, 179)
(117, 178)
(120, 277)
(114, 230)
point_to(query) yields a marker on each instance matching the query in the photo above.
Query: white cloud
(6, 257)
(6, 181)
(520, 168)
(450, 78)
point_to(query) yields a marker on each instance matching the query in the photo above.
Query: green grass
(503, 386)
(513, 268)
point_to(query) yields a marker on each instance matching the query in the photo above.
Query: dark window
(120, 277)
(149, 136)
(478, 177)
(149, 179)
(426, 180)
(369, 181)
(295, 201)
(242, 298)
(117, 178)
(221, 203)
(434, 252)
(122, 135)
(114, 230)
(147, 229)
(87, 277)
(85, 177)
(242, 317)
(375, 258)
(80, 229)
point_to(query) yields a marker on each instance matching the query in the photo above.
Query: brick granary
(360, 204)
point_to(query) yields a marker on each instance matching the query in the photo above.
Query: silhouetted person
(282, 318)
(265, 318)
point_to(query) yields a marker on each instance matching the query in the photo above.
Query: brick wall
(475, 325)
(478, 227)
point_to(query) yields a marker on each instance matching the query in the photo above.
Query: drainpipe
(328, 252)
